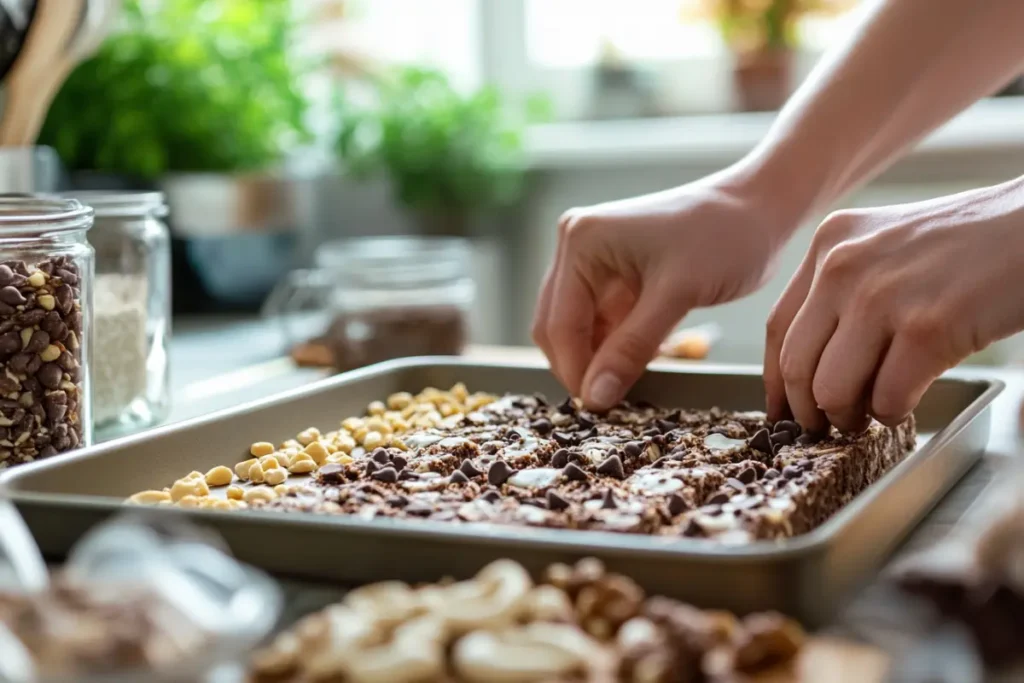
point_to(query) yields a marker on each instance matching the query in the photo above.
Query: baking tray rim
(574, 541)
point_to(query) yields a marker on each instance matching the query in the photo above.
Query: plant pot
(762, 79)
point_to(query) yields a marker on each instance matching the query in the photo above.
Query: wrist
(773, 185)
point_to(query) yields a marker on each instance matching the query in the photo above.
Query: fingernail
(605, 390)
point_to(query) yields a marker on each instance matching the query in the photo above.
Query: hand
(888, 299)
(625, 273)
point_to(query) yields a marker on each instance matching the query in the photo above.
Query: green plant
(444, 152)
(184, 85)
(752, 25)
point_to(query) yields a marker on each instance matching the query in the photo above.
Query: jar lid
(122, 204)
(24, 213)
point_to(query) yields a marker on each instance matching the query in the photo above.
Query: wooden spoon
(40, 70)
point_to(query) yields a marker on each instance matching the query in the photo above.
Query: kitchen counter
(251, 367)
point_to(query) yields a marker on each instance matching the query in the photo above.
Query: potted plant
(447, 155)
(201, 99)
(762, 36)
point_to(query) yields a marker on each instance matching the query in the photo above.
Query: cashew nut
(415, 653)
(388, 601)
(535, 652)
(493, 598)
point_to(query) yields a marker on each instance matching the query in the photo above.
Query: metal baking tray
(808, 576)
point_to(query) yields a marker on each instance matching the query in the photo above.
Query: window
(570, 33)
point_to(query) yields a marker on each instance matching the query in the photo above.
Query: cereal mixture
(519, 460)
(579, 625)
(40, 359)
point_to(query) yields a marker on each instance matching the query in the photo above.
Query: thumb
(625, 353)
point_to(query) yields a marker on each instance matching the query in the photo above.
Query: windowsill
(991, 127)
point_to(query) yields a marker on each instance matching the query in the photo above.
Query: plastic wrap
(137, 600)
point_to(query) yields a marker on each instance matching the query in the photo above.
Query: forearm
(910, 66)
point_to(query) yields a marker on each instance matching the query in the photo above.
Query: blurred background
(277, 127)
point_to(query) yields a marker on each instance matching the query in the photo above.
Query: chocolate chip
(788, 426)
(498, 473)
(11, 296)
(371, 467)
(10, 342)
(633, 448)
(54, 326)
(665, 426)
(536, 502)
(653, 431)
(399, 462)
(419, 510)
(584, 421)
(388, 475)
(608, 500)
(331, 473)
(469, 470)
(747, 475)
(398, 501)
(67, 276)
(790, 472)
(807, 439)
(6, 275)
(30, 317)
(555, 501)
(718, 499)
(693, 529)
(37, 342)
(49, 374)
(661, 462)
(761, 441)
(491, 497)
(560, 459)
(573, 472)
(65, 298)
(566, 407)
(542, 426)
(612, 467)
(736, 484)
(780, 439)
(677, 504)
(561, 438)
(458, 477)
(589, 434)
(381, 456)
(406, 475)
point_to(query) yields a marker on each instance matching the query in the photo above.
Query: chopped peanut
(261, 448)
(218, 476)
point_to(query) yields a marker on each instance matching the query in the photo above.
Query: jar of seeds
(46, 267)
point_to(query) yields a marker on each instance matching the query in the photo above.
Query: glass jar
(132, 321)
(375, 299)
(46, 270)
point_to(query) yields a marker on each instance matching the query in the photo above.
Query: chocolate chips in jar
(41, 374)
(357, 339)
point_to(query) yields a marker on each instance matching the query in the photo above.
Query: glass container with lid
(132, 321)
(46, 269)
(375, 299)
